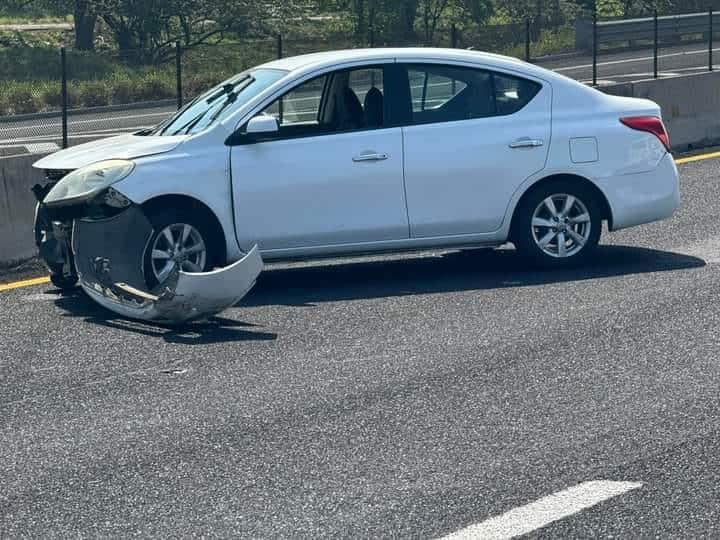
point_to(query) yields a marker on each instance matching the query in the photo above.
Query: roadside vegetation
(123, 51)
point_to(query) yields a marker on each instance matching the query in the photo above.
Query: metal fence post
(453, 36)
(371, 37)
(279, 46)
(710, 41)
(655, 44)
(178, 74)
(64, 97)
(595, 48)
(527, 39)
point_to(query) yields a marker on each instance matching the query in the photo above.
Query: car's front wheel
(558, 225)
(179, 242)
(63, 282)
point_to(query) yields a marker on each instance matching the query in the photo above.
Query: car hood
(120, 147)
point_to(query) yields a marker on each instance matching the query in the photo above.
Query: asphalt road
(396, 396)
(38, 134)
(23, 136)
(635, 65)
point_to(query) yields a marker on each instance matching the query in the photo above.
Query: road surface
(412, 396)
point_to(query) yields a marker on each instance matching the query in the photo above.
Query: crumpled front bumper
(109, 255)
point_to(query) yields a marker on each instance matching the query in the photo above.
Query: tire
(537, 229)
(177, 221)
(62, 282)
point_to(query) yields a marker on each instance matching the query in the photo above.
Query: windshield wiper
(230, 99)
(231, 90)
(191, 124)
(228, 88)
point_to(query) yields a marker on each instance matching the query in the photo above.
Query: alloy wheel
(178, 246)
(561, 225)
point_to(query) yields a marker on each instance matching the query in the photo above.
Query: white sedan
(356, 151)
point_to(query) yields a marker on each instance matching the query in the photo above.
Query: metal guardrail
(633, 32)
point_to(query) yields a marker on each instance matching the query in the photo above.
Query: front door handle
(370, 156)
(526, 142)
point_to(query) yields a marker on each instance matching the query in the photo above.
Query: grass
(550, 42)
(22, 97)
(104, 78)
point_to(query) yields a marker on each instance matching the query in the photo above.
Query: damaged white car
(349, 152)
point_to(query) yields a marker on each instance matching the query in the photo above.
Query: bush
(22, 99)
(200, 83)
(52, 97)
(123, 91)
(155, 86)
(4, 104)
(94, 93)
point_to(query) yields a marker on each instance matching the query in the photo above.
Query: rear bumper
(643, 197)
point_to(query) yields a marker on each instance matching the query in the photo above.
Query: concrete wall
(17, 208)
(690, 106)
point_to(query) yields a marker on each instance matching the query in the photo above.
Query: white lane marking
(629, 60)
(36, 148)
(8, 143)
(103, 119)
(538, 514)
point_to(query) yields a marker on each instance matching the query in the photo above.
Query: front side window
(301, 105)
(341, 101)
(441, 93)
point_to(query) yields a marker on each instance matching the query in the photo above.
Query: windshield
(219, 102)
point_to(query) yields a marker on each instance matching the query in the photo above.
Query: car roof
(310, 62)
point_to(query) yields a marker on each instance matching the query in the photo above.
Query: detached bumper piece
(109, 256)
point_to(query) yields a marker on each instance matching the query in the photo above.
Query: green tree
(153, 26)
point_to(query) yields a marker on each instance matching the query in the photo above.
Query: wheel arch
(606, 210)
(195, 208)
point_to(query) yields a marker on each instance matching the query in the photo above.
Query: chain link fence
(53, 98)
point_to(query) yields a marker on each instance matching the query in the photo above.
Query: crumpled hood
(120, 147)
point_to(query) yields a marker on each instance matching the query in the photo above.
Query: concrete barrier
(690, 105)
(17, 208)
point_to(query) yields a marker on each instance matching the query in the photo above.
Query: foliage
(134, 40)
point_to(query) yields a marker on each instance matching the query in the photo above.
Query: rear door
(471, 138)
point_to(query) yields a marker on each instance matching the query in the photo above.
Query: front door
(472, 138)
(331, 175)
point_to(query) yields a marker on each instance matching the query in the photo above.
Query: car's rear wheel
(558, 225)
(179, 242)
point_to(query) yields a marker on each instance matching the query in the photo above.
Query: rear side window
(449, 93)
(432, 90)
(513, 93)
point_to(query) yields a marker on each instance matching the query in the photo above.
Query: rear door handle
(370, 156)
(526, 142)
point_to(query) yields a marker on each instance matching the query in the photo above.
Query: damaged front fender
(109, 256)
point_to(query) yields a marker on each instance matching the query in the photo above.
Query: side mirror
(262, 124)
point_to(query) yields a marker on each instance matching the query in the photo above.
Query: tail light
(649, 124)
